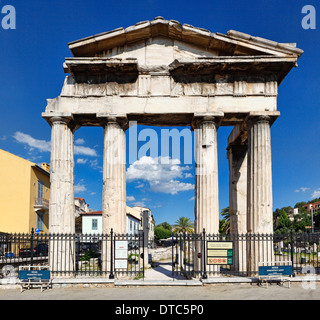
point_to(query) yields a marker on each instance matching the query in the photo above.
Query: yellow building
(24, 194)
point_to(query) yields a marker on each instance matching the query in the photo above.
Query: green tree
(183, 225)
(277, 214)
(165, 225)
(300, 204)
(301, 220)
(161, 233)
(284, 223)
(224, 224)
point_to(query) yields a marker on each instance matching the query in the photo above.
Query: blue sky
(31, 60)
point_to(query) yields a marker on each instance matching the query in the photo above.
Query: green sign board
(219, 252)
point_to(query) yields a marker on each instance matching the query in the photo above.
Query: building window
(40, 221)
(130, 225)
(94, 224)
(40, 190)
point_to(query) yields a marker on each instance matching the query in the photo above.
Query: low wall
(159, 254)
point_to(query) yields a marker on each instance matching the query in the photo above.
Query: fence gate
(187, 255)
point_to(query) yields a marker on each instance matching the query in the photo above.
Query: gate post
(292, 249)
(145, 238)
(111, 276)
(204, 276)
(31, 247)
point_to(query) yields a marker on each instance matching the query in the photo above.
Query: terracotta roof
(95, 213)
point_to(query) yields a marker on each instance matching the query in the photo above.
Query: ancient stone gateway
(163, 73)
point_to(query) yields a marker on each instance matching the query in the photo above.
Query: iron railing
(121, 255)
(249, 251)
(41, 202)
(104, 255)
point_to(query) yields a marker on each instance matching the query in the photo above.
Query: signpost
(220, 253)
(121, 255)
(275, 272)
(34, 275)
(280, 270)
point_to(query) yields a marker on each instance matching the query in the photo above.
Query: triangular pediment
(177, 42)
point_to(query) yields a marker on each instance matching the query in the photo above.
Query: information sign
(281, 270)
(219, 252)
(121, 255)
(34, 275)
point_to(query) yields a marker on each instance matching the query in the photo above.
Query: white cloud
(78, 188)
(79, 141)
(45, 146)
(192, 198)
(131, 198)
(172, 186)
(303, 189)
(85, 151)
(82, 161)
(161, 177)
(152, 169)
(155, 206)
(139, 204)
(95, 165)
(316, 193)
(41, 145)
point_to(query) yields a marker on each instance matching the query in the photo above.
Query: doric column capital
(258, 119)
(201, 118)
(59, 120)
(264, 117)
(63, 119)
(110, 118)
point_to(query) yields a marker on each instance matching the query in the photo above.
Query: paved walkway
(209, 292)
(162, 271)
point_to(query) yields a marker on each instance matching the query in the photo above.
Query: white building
(92, 221)
(80, 206)
(133, 221)
(151, 221)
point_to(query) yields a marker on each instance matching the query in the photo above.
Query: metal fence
(105, 255)
(191, 253)
(196, 255)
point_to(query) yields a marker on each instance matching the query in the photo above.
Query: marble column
(61, 208)
(206, 176)
(260, 212)
(206, 185)
(114, 177)
(237, 156)
(114, 184)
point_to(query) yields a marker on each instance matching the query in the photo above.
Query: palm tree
(183, 225)
(225, 223)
